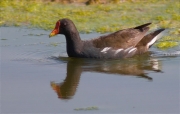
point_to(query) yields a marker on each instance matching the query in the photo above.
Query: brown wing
(123, 38)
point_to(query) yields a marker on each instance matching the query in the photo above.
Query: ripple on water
(161, 54)
(42, 53)
(36, 56)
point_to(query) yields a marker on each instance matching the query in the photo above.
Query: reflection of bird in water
(67, 88)
(137, 66)
(128, 68)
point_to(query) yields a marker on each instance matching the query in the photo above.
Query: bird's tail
(147, 41)
(153, 37)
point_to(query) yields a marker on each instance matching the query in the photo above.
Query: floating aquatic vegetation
(3, 39)
(167, 44)
(175, 32)
(87, 108)
(54, 44)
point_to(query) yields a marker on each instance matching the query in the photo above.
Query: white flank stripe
(106, 49)
(128, 49)
(133, 49)
(117, 51)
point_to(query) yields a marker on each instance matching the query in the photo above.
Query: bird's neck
(73, 43)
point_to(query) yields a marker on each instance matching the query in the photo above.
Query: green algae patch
(167, 44)
(169, 41)
(3, 39)
(100, 18)
(87, 108)
(54, 44)
(92, 18)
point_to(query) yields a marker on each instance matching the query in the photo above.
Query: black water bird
(120, 44)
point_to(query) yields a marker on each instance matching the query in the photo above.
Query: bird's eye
(64, 24)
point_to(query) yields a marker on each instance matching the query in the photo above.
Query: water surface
(38, 77)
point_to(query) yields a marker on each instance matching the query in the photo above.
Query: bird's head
(63, 26)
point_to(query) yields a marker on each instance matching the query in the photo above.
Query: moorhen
(120, 44)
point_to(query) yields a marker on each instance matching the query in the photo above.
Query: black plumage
(120, 44)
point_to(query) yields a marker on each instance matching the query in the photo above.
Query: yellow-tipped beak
(52, 34)
(56, 30)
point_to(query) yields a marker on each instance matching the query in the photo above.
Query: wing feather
(122, 38)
